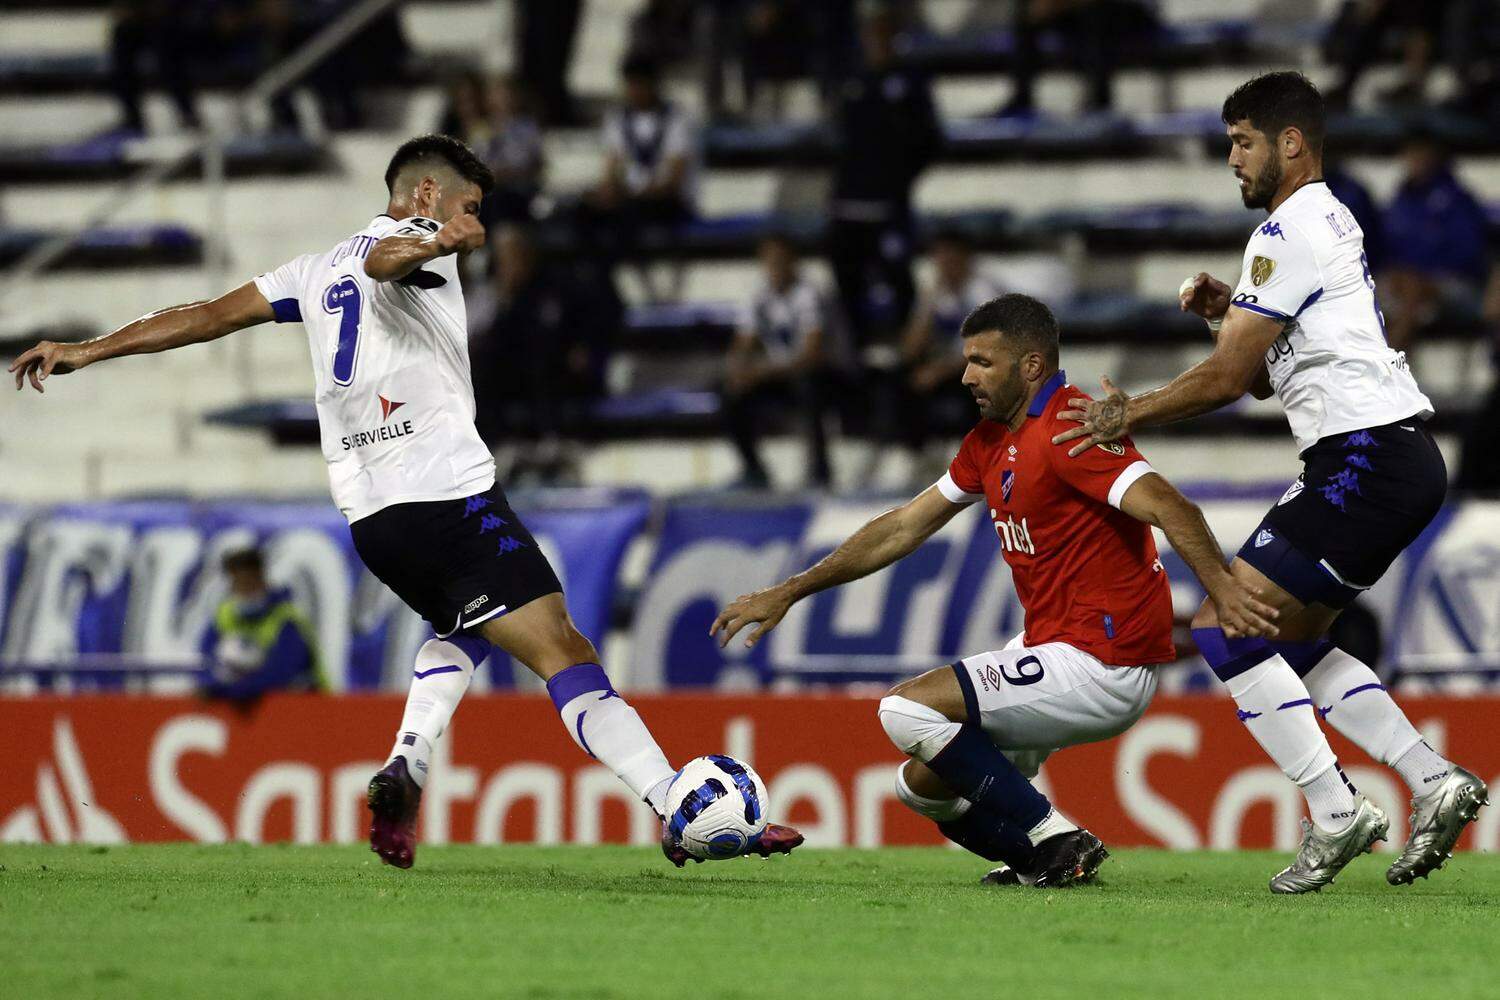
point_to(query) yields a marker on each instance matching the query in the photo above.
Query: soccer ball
(716, 807)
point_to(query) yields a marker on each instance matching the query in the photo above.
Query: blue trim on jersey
(287, 311)
(1262, 310)
(1044, 394)
(1315, 296)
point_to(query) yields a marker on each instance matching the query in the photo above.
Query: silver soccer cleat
(1323, 855)
(1437, 820)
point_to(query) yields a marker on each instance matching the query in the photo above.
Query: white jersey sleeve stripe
(955, 493)
(1133, 472)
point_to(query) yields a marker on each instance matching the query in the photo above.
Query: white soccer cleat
(1323, 855)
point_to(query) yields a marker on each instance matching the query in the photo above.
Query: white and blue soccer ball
(717, 807)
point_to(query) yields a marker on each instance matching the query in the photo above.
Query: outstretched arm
(1154, 500)
(884, 540)
(178, 326)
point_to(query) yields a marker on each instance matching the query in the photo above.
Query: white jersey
(1331, 366)
(391, 364)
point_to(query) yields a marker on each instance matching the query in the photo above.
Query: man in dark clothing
(888, 132)
(541, 360)
(1436, 246)
(260, 640)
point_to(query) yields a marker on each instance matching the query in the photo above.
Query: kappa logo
(477, 602)
(1264, 538)
(1292, 492)
(387, 407)
(1273, 229)
(1007, 483)
(1260, 270)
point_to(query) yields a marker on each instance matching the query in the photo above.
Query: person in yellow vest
(260, 641)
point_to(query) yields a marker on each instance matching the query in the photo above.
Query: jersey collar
(1044, 394)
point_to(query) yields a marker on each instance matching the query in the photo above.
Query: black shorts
(456, 563)
(1362, 498)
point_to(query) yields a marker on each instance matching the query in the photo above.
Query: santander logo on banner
(100, 769)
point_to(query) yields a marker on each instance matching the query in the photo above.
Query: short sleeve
(963, 482)
(1281, 276)
(282, 288)
(1104, 472)
(807, 311)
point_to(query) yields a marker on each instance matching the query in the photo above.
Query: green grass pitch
(614, 922)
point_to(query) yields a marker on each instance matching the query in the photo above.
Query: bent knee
(916, 729)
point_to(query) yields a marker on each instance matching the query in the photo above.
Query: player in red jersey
(1077, 536)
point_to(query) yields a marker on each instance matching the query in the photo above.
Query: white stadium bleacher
(138, 425)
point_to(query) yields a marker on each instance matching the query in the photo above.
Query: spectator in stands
(166, 36)
(1095, 32)
(651, 152)
(545, 30)
(538, 362)
(1358, 38)
(260, 641)
(930, 394)
(1479, 459)
(782, 358)
(1436, 245)
(492, 117)
(775, 41)
(887, 134)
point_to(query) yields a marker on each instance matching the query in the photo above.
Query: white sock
(442, 675)
(1051, 825)
(606, 728)
(1353, 700)
(1275, 707)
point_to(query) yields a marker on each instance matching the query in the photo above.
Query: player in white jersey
(1303, 323)
(384, 316)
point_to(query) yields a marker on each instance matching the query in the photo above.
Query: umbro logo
(387, 407)
(1264, 538)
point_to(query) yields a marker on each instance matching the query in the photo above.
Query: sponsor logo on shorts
(989, 677)
(1292, 492)
(1264, 538)
(477, 602)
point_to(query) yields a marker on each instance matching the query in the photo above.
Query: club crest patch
(1260, 270)
(1291, 492)
(1007, 483)
(1113, 447)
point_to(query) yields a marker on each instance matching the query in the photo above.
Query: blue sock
(975, 768)
(990, 840)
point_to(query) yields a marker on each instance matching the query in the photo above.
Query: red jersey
(1086, 572)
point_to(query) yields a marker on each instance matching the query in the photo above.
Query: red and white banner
(109, 769)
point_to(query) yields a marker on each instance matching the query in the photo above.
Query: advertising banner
(116, 768)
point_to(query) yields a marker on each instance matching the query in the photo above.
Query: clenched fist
(460, 234)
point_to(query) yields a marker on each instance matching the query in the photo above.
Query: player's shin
(443, 670)
(1274, 705)
(957, 821)
(606, 728)
(965, 759)
(1350, 696)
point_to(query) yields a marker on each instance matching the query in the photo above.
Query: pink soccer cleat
(774, 839)
(393, 798)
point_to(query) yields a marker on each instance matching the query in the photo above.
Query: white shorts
(1036, 699)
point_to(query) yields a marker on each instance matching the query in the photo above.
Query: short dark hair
(247, 559)
(1272, 102)
(640, 64)
(1017, 317)
(444, 149)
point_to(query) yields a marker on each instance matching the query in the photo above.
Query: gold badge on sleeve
(1260, 270)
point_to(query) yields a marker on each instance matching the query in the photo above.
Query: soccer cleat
(1437, 820)
(774, 839)
(1006, 875)
(1071, 858)
(1323, 855)
(393, 798)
